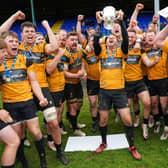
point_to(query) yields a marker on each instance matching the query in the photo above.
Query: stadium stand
(69, 24)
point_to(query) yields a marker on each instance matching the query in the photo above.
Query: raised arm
(133, 20)
(79, 30)
(19, 15)
(97, 35)
(53, 44)
(124, 44)
(161, 36)
(137, 9)
(155, 19)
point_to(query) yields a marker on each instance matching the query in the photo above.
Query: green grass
(154, 152)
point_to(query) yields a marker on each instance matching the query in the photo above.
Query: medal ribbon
(130, 48)
(71, 52)
(28, 53)
(9, 72)
(110, 57)
(118, 40)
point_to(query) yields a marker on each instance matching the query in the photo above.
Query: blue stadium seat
(70, 24)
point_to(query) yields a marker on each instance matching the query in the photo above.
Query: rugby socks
(160, 109)
(73, 121)
(12, 166)
(129, 130)
(77, 113)
(41, 151)
(95, 119)
(165, 119)
(145, 120)
(103, 132)
(137, 112)
(68, 115)
(61, 124)
(58, 147)
(115, 110)
(40, 148)
(156, 117)
(21, 155)
(95, 124)
(60, 154)
(49, 137)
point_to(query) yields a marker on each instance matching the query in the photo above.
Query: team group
(42, 73)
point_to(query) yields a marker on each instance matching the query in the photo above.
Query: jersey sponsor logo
(92, 60)
(133, 59)
(35, 57)
(151, 53)
(76, 64)
(16, 76)
(115, 63)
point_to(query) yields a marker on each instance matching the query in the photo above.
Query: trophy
(109, 16)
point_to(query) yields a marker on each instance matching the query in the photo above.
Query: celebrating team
(127, 66)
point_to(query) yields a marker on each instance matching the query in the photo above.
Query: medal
(9, 72)
(110, 57)
(8, 79)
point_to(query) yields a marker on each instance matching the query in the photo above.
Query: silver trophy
(109, 16)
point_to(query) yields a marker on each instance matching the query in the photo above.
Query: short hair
(28, 24)
(2, 44)
(9, 33)
(89, 29)
(72, 34)
(39, 33)
(131, 30)
(150, 31)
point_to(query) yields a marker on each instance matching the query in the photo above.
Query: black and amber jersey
(159, 70)
(133, 68)
(36, 55)
(112, 69)
(18, 88)
(72, 63)
(56, 80)
(92, 65)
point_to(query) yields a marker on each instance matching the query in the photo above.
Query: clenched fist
(43, 102)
